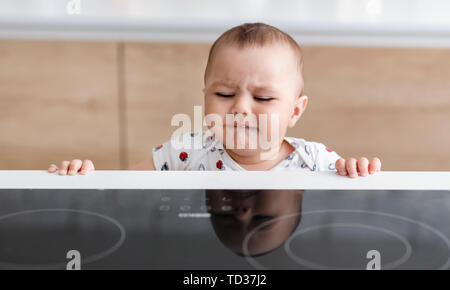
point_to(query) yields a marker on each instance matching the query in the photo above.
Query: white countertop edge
(116, 179)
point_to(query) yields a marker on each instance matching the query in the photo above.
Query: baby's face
(259, 81)
(236, 213)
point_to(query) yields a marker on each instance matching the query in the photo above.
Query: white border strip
(115, 179)
(306, 33)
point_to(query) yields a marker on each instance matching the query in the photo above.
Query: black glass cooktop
(224, 229)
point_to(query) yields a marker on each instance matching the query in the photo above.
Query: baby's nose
(241, 106)
(242, 213)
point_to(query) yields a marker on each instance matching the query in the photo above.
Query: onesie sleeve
(174, 154)
(325, 158)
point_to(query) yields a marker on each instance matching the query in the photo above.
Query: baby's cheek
(280, 122)
(213, 106)
(272, 129)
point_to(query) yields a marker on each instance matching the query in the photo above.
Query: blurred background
(101, 80)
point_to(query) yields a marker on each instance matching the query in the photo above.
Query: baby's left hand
(362, 166)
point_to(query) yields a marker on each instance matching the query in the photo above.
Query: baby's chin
(241, 139)
(255, 154)
(246, 141)
(251, 151)
(245, 152)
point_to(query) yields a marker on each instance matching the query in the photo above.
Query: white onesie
(208, 154)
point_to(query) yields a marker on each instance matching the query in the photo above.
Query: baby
(254, 73)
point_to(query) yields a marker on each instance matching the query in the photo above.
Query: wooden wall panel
(161, 80)
(391, 103)
(58, 100)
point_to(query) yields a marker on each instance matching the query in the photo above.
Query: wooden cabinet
(58, 100)
(161, 80)
(392, 103)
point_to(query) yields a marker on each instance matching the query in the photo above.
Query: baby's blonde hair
(255, 34)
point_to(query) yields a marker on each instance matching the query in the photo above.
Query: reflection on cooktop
(225, 229)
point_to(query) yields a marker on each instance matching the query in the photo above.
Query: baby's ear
(299, 107)
(303, 101)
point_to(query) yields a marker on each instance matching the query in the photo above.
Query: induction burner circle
(84, 259)
(312, 265)
(252, 261)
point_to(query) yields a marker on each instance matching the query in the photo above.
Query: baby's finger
(87, 167)
(363, 166)
(52, 168)
(350, 165)
(63, 168)
(374, 165)
(74, 166)
(340, 166)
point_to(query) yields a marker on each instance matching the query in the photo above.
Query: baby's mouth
(242, 129)
(236, 125)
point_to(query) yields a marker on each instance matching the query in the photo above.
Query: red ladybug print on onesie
(157, 148)
(219, 164)
(183, 156)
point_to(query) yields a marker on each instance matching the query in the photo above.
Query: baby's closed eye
(224, 95)
(258, 98)
(264, 99)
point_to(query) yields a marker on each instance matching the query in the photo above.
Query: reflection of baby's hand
(362, 166)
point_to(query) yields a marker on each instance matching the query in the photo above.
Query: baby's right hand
(73, 167)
